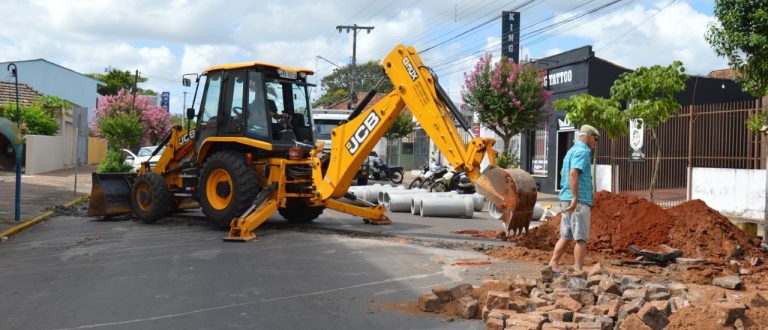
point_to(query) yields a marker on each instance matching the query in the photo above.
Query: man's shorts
(575, 226)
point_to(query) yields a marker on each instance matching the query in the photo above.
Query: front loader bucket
(110, 194)
(514, 193)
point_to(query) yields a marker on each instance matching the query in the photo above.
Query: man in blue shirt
(576, 197)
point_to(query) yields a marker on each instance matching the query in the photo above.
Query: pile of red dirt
(619, 221)
(701, 232)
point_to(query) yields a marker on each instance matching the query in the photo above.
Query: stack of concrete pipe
(442, 204)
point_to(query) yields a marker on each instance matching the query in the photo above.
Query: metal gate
(420, 148)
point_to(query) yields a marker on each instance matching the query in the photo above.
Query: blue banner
(165, 101)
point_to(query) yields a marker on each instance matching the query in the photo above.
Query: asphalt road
(336, 273)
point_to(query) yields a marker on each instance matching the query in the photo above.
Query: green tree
(335, 86)
(742, 37)
(650, 96)
(34, 121)
(401, 126)
(52, 105)
(115, 80)
(508, 98)
(604, 114)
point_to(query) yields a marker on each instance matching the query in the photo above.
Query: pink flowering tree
(508, 98)
(155, 120)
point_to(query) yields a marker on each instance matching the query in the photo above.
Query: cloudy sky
(164, 39)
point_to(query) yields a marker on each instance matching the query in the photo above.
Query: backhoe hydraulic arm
(512, 191)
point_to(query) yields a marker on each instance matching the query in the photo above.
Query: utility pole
(184, 112)
(354, 28)
(135, 87)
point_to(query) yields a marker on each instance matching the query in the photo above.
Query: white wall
(603, 177)
(48, 153)
(735, 192)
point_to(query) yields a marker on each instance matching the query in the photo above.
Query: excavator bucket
(514, 193)
(110, 194)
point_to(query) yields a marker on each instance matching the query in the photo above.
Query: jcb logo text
(362, 132)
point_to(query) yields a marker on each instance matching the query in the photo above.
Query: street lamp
(14, 72)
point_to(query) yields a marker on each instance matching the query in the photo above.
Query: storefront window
(540, 154)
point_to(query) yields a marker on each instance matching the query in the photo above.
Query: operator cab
(259, 101)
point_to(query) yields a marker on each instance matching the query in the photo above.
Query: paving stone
(546, 273)
(546, 308)
(654, 288)
(484, 313)
(560, 282)
(677, 289)
(535, 292)
(626, 279)
(586, 298)
(690, 261)
(629, 308)
(634, 294)
(607, 322)
(563, 292)
(568, 303)
(754, 299)
(732, 282)
(535, 302)
(428, 302)
(663, 306)
(590, 325)
(443, 293)
(526, 320)
(560, 315)
(652, 317)
(727, 313)
(596, 269)
(518, 304)
(501, 314)
(468, 307)
(594, 280)
(497, 300)
(494, 324)
(461, 290)
(678, 303)
(744, 271)
(494, 285)
(577, 284)
(576, 274)
(659, 296)
(613, 308)
(524, 283)
(606, 298)
(521, 325)
(756, 261)
(633, 322)
(598, 310)
(560, 325)
(581, 317)
(630, 286)
(608, 285)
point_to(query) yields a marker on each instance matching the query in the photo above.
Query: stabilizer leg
(372, 215)
(241, 229)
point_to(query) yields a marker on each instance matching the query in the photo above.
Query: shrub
(33, 120)
(122, 130)
(114, 162)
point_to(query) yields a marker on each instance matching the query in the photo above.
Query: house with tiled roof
(26, 93)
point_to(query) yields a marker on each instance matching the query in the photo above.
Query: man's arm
(573, 180)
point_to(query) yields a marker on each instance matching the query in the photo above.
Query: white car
(143, 155)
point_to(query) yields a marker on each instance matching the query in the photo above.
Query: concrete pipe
(416, 203)
(372, 194)
(538, 211)
(447, 207)
(385, 195)
(399, 203)
(478, 201)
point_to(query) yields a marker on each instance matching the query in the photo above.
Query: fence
(712, 137)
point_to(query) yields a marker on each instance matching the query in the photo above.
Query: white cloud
(635, 37)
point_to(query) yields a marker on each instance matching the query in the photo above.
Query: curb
(38, 219)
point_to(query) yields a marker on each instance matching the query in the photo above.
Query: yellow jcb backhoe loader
(252, 151)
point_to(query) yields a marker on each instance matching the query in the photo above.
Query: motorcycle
(427, 176)
(393, 173)
(453, 180)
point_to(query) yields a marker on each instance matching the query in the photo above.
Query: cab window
(210, 107)
(233, 115)
(257, 124)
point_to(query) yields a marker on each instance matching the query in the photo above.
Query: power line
(611, 43)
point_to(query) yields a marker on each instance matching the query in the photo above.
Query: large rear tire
(227, 187)
(396, 177)
(298, 211)
(416, 183)
(150, 197)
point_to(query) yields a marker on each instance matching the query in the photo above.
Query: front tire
(150, 197)
(227, 187)
(297, 211)
(438, 187)
(416, 183)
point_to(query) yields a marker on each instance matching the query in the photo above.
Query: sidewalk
(40, 193)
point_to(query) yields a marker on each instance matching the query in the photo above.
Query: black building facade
(579, 71)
